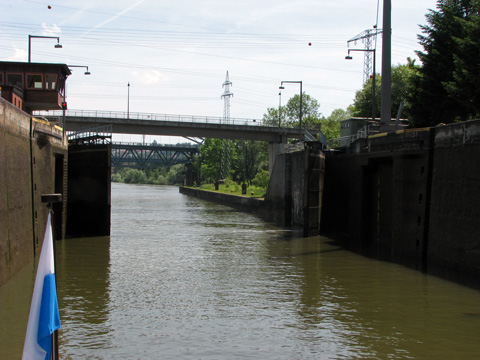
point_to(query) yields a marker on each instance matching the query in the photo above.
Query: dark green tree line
(446, 89)
(246, 160)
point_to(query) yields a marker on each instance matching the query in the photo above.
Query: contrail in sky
(113, 18)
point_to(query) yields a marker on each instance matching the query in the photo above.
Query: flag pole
(50, 199)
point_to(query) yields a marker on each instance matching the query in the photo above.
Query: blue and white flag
(44, 318)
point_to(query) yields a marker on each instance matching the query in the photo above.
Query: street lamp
(81, 66)
(64, 102)
(128, 101)
(301, 101)
(57, 45)
(280, 108)
(349, 57)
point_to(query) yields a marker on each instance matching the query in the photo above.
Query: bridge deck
(173, 125)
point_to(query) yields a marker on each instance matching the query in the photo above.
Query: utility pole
(386, 107)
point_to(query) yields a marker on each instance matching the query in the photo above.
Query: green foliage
(331, 125)
(164, 176)
(261, 179)
(403, 78)
(446, 89)
(290, 113)
(245, 159)
(210, 159)
(236, 189)
(176, 174)
(250, 157)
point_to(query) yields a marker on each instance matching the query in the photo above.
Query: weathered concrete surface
(241, 203)
(454, 233)
(16, 230)
(32, 159)
(412, 196)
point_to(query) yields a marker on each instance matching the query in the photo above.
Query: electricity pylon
(366, 37)
(225, 161)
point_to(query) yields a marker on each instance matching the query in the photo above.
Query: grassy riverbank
(233, 188)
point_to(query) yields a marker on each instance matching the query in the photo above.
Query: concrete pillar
(274, 149)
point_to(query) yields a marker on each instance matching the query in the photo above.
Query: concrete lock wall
(32, 161)
(294, 196)
(454, 233)
(410, 197)
(16, 231)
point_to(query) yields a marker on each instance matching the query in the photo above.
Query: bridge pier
(275, 149)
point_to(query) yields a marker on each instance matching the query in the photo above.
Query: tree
(403, 79)
(447, 88)
(210, 158)
(290, 113)
(331, 125)
(251, 157)
(464, 88)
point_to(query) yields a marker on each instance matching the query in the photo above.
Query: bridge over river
(175, 125)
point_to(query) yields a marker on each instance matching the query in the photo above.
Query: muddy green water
(180, 278)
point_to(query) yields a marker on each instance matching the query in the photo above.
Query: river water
(180, 278)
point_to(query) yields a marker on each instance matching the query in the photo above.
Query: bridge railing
(185, 145)
(151, 116)
(345, 141)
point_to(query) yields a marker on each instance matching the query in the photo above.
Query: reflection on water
(83, 293)
(184, 279)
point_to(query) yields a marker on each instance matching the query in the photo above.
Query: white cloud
(51, 30)
(150, 77)
(18, 55)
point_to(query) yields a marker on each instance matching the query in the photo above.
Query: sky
(175, 54)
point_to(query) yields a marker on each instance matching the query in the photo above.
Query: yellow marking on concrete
(41, 121)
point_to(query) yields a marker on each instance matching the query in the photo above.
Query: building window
(51, 81)
(34, 81)
(15, 80)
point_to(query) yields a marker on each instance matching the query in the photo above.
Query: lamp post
(57, 45)
(301, 102)
(64, 102)
(280, 108)
(348, 57)
(128, 101)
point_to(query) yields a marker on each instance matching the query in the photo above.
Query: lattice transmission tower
(369, 38)
(226, 99)
(225, 162)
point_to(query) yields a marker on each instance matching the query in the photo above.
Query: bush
(261, 179)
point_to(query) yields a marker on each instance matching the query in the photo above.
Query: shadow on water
(372, 251)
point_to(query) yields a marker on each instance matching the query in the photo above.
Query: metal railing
(151, 116)
(185, 145)
(345, 141)
(99, 134)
